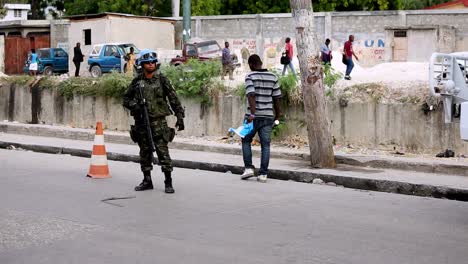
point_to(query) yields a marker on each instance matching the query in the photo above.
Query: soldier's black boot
(168, 183)
(146, 184)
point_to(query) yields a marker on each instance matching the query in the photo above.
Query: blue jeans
(291, 66)
(263, 126)
(349, 66)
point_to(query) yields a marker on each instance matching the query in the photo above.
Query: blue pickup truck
(51, 60)
(109, 57)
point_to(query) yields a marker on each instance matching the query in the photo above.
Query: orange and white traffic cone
(99, 168)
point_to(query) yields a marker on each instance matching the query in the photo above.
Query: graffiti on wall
(370, 48)
(272, 50)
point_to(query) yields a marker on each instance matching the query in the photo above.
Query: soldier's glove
(180, 124)
(135, 108)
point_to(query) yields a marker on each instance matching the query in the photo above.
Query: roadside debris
(318, 181)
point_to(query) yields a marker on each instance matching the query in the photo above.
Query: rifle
(146, 120)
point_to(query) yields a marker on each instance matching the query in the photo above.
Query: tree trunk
(34, 7)
(320, 140)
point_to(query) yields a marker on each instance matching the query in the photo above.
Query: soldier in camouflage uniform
(159, 94)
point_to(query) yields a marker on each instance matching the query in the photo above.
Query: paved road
(51, 213)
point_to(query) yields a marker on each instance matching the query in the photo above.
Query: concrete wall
(359, 124)
(263, 34)
(59, 34)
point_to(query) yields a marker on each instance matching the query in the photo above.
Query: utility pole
(187, 21)
(176, 8)
(320, 139)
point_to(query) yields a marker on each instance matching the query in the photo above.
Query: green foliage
(330, 79)
(240, 91)
(135, 7)
(17, 79)
(206, 7)
(357, 5)
(196, 79)
(278, 130)
(219, 7)
(288, 84)
(111, 85)
(48, 82)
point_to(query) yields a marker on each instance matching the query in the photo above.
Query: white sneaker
(262, 178)
(248, 173)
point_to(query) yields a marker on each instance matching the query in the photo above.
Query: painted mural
(370, 48)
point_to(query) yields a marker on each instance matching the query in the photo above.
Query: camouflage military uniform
(159, 94)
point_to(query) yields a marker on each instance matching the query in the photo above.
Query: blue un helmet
(147, 55)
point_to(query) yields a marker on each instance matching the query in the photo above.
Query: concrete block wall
(261, 32)
(366, 124)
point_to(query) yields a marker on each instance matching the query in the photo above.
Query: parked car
(203, 50)
(51, 60)
(109, 57)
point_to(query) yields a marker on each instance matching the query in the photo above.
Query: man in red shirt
(289, 53)
(349, 53)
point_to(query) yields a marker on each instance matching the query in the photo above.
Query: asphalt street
(51, 213)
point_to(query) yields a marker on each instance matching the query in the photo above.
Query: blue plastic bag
(243, 130)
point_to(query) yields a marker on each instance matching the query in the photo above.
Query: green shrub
(17, 79)
(196, 79)
(278, 130)
(113, 85)
(331, 76)
(240, 91)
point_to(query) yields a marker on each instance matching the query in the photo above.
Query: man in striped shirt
(263, 108)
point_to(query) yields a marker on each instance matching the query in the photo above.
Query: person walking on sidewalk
(158, 94)
(289, 53)
(263, 100)
(77, 58)
(226, 60)
(348, 52)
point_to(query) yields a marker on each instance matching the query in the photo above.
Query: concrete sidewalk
(385, 180)
(418, 164)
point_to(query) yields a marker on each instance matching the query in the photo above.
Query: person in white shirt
(326, 52)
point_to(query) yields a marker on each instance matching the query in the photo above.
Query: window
(399, 34)
(125, 48)
(208, 48)
(43, 53)
(191, 51)
(60, 53)
(111, 51)
(96, 50)
(17, 12)
(87, 36)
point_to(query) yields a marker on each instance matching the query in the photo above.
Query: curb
(306, 177)
(88, 135)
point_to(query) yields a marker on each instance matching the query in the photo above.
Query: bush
(17, 79)
(331, 77)
(112, 85)
(196, 79)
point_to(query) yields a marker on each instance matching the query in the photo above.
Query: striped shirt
(265, 86)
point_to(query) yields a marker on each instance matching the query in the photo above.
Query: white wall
(143, 32)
